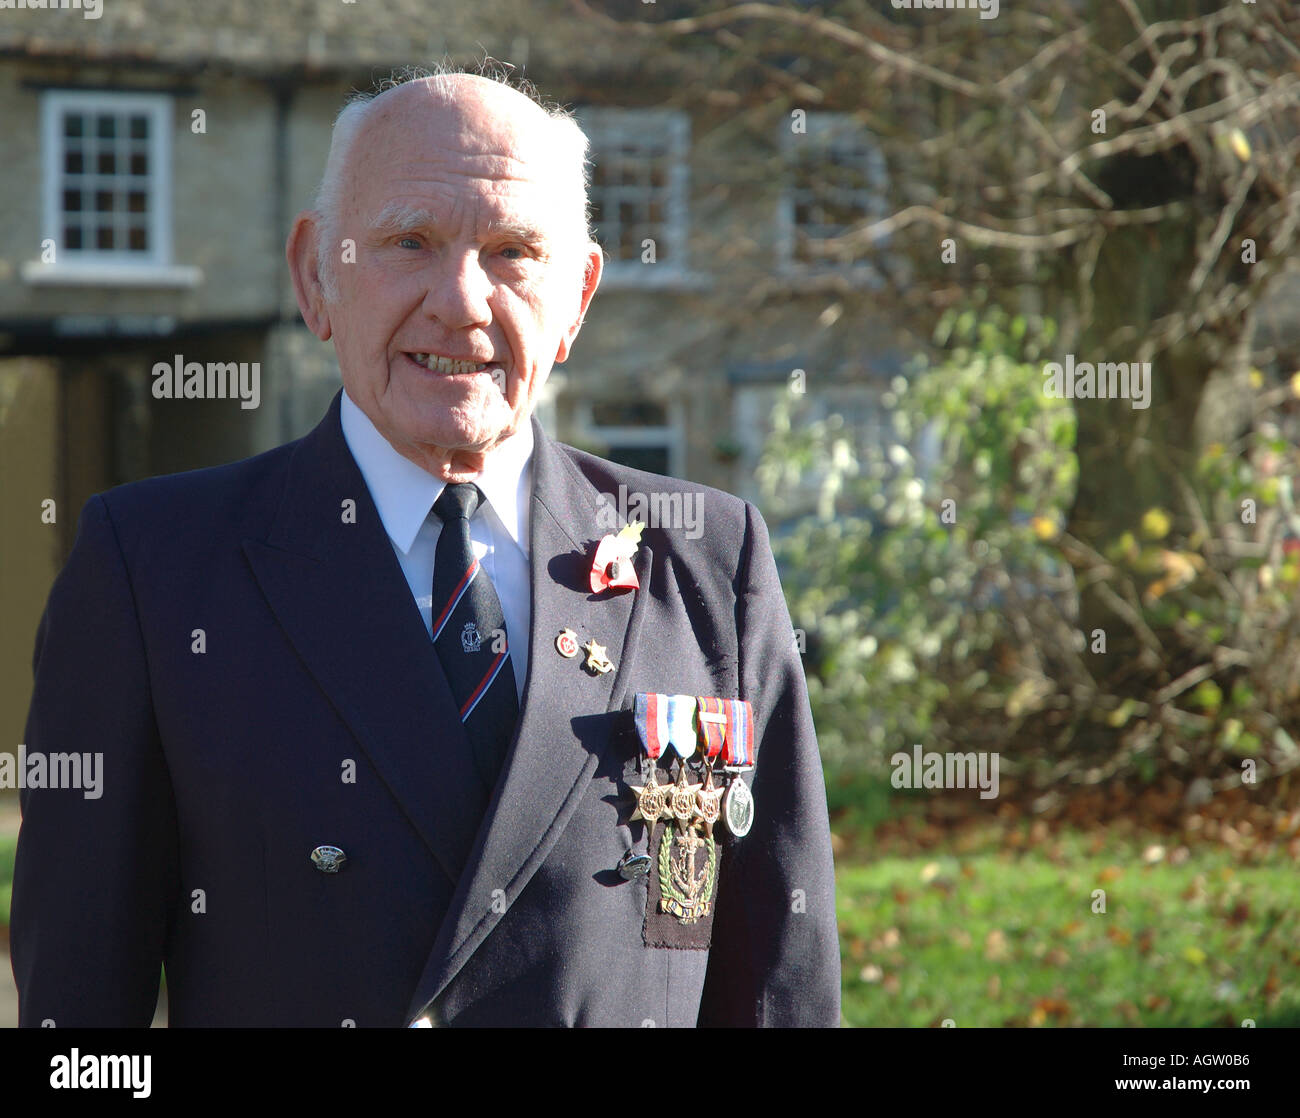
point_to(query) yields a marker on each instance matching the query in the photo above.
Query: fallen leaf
(995, 946)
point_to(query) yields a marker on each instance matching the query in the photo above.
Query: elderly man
(397, 727)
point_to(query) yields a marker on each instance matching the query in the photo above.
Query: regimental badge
(566, 644)
(688, 871)
(469, 637)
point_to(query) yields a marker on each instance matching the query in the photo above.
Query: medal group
(697, 732)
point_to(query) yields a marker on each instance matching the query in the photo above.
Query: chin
(472, 437)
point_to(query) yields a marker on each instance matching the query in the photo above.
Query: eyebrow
(396, 217)
(517, 231)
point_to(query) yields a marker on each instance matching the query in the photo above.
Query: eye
(518, 253)
(414, 242)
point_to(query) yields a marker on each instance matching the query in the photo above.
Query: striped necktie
(469, 635)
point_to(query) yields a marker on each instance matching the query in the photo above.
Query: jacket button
(328, 859)
(633, 865)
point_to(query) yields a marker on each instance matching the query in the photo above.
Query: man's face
(472, 270)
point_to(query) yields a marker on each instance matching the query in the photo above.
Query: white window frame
(874, 197)
(117, 266)
(673, 127)
(669, 435)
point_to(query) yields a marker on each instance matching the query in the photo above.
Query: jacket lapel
(549, 764)
(339, 594)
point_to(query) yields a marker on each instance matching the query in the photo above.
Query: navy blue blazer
(318, 713)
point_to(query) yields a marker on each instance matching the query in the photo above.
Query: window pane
(629, 413)
(72, 201)
(73, 162)
(138, 239)
(135, 201)
(139, 163)
(106, 164)
(103, 201)
(104, 237)
(652, 458)
(72, 236)
(72, 124)
(139, 128)
(106, 127)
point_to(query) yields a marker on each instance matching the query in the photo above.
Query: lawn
(995, 929)
(7, 845)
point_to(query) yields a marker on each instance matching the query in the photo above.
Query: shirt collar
(404, 493)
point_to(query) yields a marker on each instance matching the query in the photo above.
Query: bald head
(468, 114)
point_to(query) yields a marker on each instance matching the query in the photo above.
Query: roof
(295, 38)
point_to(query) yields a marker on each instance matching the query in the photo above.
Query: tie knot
(459, 501)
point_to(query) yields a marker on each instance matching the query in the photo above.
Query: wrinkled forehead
(494, 148)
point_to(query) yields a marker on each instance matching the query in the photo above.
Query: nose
(459, 289)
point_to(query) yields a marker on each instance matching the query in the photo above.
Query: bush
(940, 593)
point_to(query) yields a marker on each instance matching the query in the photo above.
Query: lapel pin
(597, 661)
(612, 569)
(566, 644)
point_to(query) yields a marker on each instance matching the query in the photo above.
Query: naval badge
(598, 663)
(566, 644)
(470, 640)
(685, 881)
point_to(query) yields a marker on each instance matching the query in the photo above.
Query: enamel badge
(566, 644)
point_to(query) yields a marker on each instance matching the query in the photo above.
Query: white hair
(570, 144)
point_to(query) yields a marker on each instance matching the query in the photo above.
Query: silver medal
(738, 808)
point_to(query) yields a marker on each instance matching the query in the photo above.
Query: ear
(300, 250)
(595, 262)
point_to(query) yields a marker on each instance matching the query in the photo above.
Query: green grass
(991, 936)
(8, 843)
(996, 936)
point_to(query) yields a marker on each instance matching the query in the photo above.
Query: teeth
(436, 364)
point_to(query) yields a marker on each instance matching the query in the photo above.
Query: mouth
(450, 366)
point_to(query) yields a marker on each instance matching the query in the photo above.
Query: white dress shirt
(404, 494)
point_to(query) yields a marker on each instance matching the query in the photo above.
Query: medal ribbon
(681, 723)
(651, 714)
(738, 748)
(712, 733)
